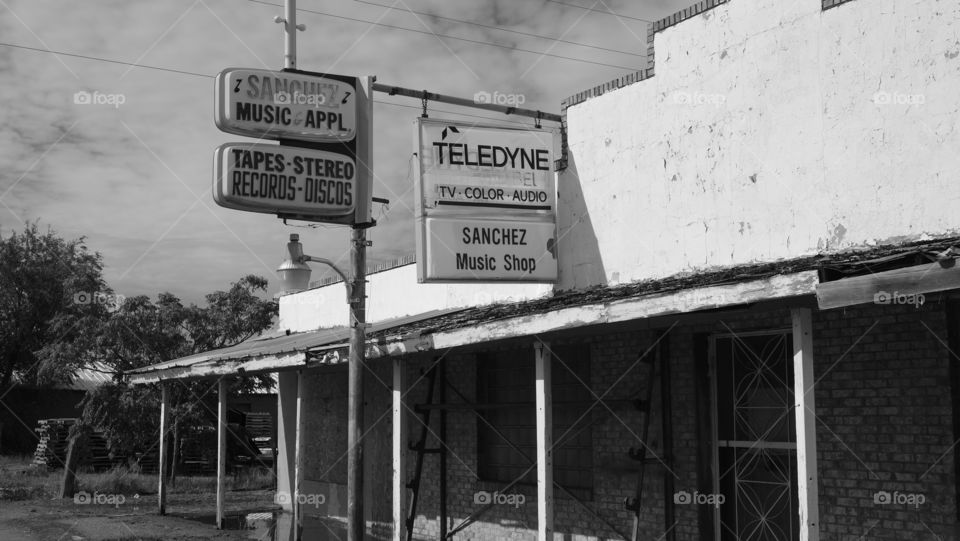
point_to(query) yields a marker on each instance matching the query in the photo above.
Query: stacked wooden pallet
(260, 428)
(97, 454)
(54, 437)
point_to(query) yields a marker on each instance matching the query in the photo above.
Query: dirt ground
(189, 517)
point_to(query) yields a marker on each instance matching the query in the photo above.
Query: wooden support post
(286, 464)
(221, 449)
(443, 449)
(298, 462)
(164, 441)
(803, 391)
(666, 427)
(399, 451)
(544, 443)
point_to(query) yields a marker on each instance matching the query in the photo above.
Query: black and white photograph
(414, 270)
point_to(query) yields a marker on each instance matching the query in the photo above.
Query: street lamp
(294, 272)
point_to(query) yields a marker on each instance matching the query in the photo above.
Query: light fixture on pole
(294, 272)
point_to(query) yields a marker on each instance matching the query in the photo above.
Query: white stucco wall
(762, 137)
(394, 293)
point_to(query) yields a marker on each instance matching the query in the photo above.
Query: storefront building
(755, 330)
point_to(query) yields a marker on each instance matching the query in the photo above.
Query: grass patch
(19, 480)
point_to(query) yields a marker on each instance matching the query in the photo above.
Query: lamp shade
(294, 274)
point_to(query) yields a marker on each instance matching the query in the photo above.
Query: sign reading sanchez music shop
(486, 203)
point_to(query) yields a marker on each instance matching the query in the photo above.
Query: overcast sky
(135, 178)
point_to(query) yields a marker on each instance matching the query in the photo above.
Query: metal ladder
(659, 368)
(422, 450)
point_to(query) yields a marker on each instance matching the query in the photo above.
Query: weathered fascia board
(915, 280)
(269, 363)
(661, 304)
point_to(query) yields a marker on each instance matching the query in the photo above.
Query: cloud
(135, 178)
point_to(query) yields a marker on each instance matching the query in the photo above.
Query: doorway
(755, 450)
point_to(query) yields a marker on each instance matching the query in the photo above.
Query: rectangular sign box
(490, 250)
(287, 105)
(467, 167)
(485, 203)
(284, 180)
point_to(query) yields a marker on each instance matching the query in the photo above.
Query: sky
(133, 174)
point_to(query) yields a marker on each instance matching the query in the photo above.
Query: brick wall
(884, 421)
(884, 424)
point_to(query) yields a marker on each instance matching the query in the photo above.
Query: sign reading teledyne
(277, 179)
(287, 104)
(486, 203)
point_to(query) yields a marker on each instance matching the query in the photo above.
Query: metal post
(358, 255)
(290, 34)
(164, 441)
(221, 449)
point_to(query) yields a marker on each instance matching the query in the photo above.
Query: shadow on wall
(580, 263)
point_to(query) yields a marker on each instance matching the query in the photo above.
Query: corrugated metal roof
(88, 379)
(281, 344)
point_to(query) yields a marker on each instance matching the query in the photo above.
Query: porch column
(544, 442)
(287, 383)
(221, 448)
(805, 412)
(399, 451)
(164, 428)
(298, 456)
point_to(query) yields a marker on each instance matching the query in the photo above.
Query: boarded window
(506, 380)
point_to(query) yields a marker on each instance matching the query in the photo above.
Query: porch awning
(270, 353)
(443, 329)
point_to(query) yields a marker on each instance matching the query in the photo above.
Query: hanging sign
(287, 104)
(277, 179)
(485, 204)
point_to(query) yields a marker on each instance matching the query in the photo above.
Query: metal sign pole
(290, 34)
(356, 525)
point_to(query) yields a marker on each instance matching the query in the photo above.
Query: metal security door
(754, 427)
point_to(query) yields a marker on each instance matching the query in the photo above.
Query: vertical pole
(803, 393)
(443, 450)
(290, 34)
(298, 460)
(221, 448)
(286, 438)
(356, 524)
(164, 440)
(544, 443)
(399, 450)
(666, 424)
(355, 519)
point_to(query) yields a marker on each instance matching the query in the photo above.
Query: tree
(141, 332)
(44, 279)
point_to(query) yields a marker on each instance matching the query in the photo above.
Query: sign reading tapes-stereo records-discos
(486, 203)
(284, 180)
(287, 104)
